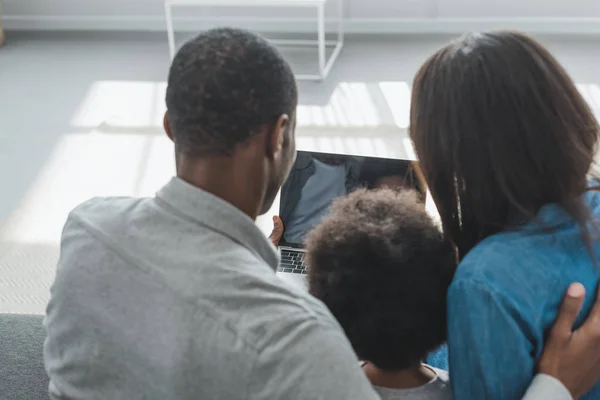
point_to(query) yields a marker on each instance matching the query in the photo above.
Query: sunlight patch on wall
(83, 166)
(350, 105)
(133, 104)
(397, 95)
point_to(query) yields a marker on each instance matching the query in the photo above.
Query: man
(175, 297)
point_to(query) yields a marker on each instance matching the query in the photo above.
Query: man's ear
(277, 136)
(167, 126)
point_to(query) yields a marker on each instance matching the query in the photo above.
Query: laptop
(316, 180)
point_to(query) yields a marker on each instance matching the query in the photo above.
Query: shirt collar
(207, 209)
(552, 215)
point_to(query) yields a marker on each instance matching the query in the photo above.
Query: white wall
(361, 15)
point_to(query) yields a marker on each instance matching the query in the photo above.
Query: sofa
(22, 373)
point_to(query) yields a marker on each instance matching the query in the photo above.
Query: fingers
(592, 323)
(277, 223)
(277, 232)
(568, 311)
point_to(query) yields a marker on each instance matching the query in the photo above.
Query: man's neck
(226, 178)
(402, 379)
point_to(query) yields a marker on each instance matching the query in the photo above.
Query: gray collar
(197, 205)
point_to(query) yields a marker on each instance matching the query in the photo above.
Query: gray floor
(80, 117)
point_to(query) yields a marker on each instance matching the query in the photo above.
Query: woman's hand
(573, 357)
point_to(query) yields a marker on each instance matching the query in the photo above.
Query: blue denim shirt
(504, 298)
(439, 358)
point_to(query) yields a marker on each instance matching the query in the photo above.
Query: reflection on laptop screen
(317, 179)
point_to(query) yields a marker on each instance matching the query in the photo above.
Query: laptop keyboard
(292, 262)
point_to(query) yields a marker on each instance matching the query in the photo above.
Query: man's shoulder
(96, 219)
(108, 234)
(121, 221)
(106, 207)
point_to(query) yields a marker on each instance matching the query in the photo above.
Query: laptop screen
(317, 179)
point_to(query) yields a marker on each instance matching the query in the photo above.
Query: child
(382, 267)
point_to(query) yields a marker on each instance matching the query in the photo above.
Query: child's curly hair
(383, 268)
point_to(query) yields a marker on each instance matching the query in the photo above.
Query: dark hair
(383, 268)
(224, 86)
(500, 130)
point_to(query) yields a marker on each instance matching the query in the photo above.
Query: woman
(506, 142)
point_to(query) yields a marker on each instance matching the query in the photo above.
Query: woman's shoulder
(496, 249)
(506, 259)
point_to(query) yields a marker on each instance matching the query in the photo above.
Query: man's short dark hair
(224, 86)
(382, 267)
